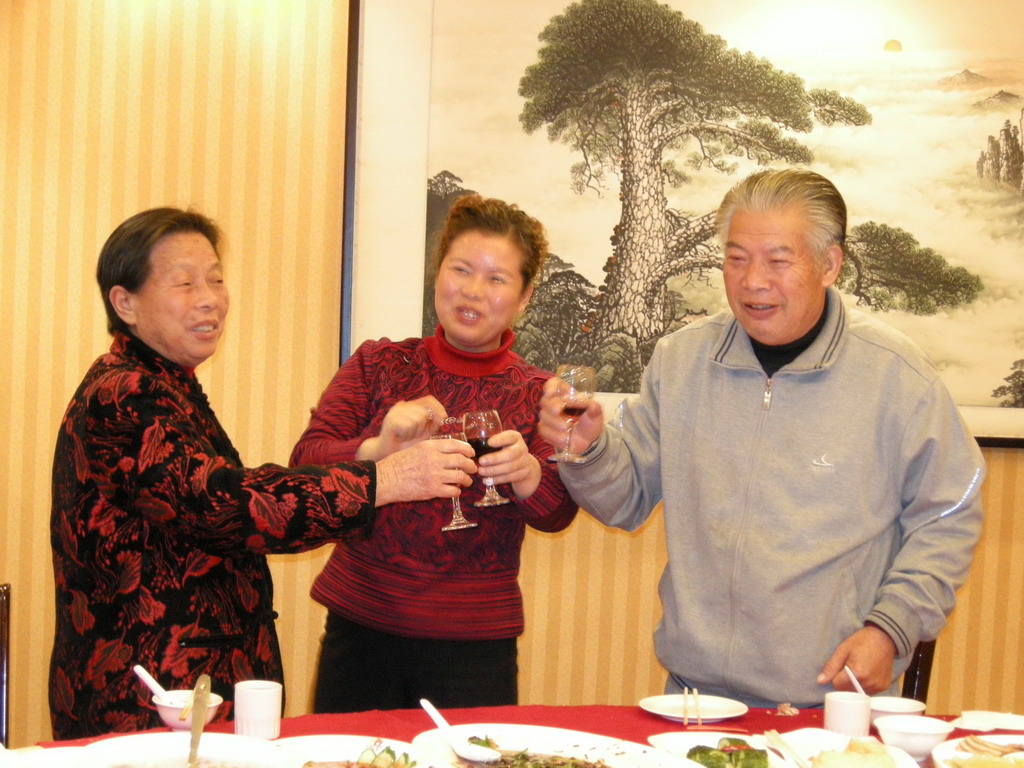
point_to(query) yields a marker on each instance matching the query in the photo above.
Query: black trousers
(362, 669)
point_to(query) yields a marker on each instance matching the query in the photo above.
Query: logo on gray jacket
(822, 464)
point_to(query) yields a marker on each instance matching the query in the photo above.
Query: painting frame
(387, 141)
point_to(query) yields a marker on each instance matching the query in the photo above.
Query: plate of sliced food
(343, 751)
(993, 750)
(537, 746)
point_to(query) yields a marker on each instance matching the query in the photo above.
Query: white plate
(979, 720)
(170, 750)
(712, 708)
(37, 757)
(431, 747)
(333, 747)
(947, 750)
(808, 742)
(681, 742)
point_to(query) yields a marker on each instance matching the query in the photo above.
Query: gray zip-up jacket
(844, 489)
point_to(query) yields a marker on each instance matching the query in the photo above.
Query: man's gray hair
(777, 190)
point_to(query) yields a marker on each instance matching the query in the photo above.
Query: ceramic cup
(848, 713)
(258, 709)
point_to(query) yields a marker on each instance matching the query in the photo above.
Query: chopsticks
(780, 745)
(686, 706)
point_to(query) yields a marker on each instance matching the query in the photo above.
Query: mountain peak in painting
(964, 79)
(998, 100)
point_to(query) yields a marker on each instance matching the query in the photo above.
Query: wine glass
(582, 381)
(458, 520)
(478, 427)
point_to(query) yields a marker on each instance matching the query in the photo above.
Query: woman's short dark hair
(473, 213)
(124, 258)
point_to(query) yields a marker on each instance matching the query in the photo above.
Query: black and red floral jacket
(159, 538)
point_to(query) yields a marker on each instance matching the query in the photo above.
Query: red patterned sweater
(159, 537)
(410, 578)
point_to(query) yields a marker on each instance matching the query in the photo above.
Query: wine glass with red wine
(478, 427)
(458, 519)
(582, 382)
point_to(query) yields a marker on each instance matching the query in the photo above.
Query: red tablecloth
(628, 723)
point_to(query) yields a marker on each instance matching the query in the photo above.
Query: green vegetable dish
(730, 753)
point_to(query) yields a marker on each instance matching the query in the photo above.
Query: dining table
(628, 723)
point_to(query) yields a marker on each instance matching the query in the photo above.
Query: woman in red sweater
(415, 611)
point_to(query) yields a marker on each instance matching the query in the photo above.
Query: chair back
(5, 649)
(919, 673)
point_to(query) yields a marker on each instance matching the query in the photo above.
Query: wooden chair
(5, 645)
(918, 674)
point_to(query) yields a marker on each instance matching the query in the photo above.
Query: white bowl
(916, 735)
(894, 705)
(170, 708)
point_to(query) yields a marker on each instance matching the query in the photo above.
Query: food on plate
(976, 745)
(731, 752)
(859, 753)
(986, 761)
(376, 755)
(785, 709)
(526, 759)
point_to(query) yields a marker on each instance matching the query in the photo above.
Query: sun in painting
(893, 46)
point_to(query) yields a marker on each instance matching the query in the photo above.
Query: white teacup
(848, 713)
(258, 708)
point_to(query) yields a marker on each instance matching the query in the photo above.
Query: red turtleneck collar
(472, 365)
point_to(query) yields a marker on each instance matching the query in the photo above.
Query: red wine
(480, 446)
(573, 411)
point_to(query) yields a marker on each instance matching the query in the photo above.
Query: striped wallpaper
(237, 107)
(107, 107)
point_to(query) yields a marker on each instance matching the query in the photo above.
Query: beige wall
(108, 107)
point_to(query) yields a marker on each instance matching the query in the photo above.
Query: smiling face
(179, 311)
(775, 284)
(479, 290)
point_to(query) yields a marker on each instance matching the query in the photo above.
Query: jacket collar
(735, 349)
(129, 346)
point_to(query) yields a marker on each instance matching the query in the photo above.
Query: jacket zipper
(767, 394)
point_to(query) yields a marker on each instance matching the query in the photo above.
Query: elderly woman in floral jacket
(159, 532)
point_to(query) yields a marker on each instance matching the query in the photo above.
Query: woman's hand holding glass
(431, 469)
(479, 427)
(511, 464)
(450, 431)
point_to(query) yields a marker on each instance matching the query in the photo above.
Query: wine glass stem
(568, 437)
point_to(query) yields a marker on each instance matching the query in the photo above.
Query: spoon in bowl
(150, 681)
(467, 750)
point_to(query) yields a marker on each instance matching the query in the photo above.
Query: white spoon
(150, 682)
(464, 748)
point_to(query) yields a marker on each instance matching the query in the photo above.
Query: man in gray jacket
(821, 493)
